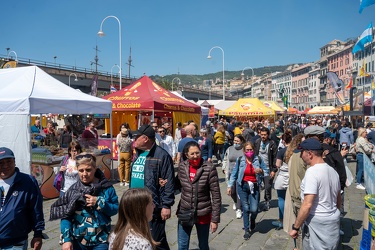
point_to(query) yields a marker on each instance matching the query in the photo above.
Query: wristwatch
(294, 228)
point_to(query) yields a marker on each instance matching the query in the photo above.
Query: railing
(59, 66)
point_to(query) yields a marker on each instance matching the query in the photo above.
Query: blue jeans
(249, 202)
(281, 203)
(77, 245)
(360, 168)
(183, 234)
(22, 245)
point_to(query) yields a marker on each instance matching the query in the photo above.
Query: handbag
(187, 218)
(57, 182)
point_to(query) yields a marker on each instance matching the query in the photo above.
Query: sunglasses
(161, 131)
(86, 156)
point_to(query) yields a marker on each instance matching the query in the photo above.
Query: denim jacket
(239, 169)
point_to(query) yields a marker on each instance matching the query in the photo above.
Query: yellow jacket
(219, 137)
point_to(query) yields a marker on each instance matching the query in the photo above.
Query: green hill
(165, 81)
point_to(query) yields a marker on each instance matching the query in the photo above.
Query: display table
(45, 174)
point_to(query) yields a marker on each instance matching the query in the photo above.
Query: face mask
(237, 146)
(195, 162)
(249, 154)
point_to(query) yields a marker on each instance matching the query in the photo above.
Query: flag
(366, 37)
(94, 85)
(112, 89)
(365, 3)
(362, 70)
(350, 84)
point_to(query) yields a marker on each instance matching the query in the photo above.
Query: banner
(211, 112)
(94, 86)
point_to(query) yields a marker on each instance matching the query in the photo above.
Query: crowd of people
(302, 159)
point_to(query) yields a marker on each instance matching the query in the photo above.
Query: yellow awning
(321, 110)
(273, 105)
(247, 107)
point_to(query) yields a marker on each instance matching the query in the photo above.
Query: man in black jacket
(153, 169)
(266, 150)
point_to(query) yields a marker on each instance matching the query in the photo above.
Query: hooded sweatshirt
(346, 135)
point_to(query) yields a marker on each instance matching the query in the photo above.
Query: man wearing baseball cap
(153, 160)
(319, 216)
(21, 205)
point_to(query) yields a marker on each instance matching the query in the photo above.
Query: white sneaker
(234, 206)
(238, 214)
(126, 184)
(360, 186)
(122, 184)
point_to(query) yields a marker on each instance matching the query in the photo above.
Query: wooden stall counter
(45, 174)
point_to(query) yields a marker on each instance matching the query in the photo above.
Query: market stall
(323, 110)
(273, 105)
(30, 90)
(144, 101)
(246, 107)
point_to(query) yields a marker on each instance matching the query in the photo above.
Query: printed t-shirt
(138, 171)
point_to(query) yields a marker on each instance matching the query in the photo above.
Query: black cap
(146, 130)
(309, 144)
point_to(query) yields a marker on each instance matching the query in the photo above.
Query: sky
(171, 36)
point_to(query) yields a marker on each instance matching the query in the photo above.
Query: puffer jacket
(209, 197)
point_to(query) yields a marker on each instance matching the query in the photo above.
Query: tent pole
(153, 115)
(111, 132)
(139, 118)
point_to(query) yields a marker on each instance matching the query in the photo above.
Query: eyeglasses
(86, 156)
(161, 131)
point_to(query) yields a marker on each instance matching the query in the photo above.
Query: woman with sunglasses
(86, 208)
(68, 167)
(245, 175)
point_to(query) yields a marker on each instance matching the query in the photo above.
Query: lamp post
(12, 51)
(209, 57)
(243, 74)
(118, 71)
(101, 34)
(76, 80)
(179, 81)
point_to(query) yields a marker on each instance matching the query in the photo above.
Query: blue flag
(365, 3)
(366, 37)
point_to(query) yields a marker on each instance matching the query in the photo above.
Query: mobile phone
(344, 146)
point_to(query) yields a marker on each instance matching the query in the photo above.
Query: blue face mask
(237, 146)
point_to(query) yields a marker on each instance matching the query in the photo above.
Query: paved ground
(229, 234)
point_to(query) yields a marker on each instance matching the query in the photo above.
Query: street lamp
(118, 71)
(243, 74)
(101, 34)
(12, 51)
(179, 81)
(76, 80)
(209, 57)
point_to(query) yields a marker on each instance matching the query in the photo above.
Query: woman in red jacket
(198, 179)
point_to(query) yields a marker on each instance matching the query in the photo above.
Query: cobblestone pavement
(230, 232)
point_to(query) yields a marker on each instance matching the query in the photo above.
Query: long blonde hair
(132, 215)
(293, 145)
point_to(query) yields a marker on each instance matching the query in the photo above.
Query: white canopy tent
(30, 90)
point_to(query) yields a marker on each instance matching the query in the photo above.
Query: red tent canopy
(144, 94)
